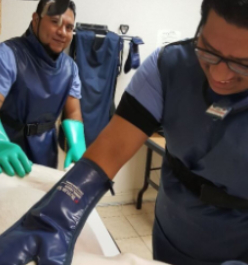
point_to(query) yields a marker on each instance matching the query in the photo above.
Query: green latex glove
(74, 133)
(12, 158)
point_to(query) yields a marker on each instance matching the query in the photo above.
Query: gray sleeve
(76, 84)
(8, 69)
(146, 86)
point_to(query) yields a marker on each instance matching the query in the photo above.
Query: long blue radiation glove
(12, 158)
(48, 231)
(74, 133)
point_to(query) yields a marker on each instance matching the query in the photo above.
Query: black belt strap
(203, 188)
(28, 129)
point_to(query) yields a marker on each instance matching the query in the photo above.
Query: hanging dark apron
(36, 99)
(98, 61)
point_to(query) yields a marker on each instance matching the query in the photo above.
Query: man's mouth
(223, 84)
(59, 41)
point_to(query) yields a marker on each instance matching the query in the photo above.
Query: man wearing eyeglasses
(198, 90)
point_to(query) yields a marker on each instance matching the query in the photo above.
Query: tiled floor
(130, 228)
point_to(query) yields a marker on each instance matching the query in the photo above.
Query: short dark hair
(233, 11)
(42, 4)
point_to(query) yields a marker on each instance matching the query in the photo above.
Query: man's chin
(225, 91)
(52, 52)
(56, 50)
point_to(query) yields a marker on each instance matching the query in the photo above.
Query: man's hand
(73, 128)
(13, 160)
(48, 231)
(73, 155)
(74, 132)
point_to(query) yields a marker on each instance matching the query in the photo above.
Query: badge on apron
(218, 112)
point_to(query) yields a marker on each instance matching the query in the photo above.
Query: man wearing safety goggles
(38, 82)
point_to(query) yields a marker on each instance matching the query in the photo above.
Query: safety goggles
(214, 59)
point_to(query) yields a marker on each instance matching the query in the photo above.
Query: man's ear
(35, 21)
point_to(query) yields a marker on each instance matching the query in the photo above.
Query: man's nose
(62, 30)
(221, 72)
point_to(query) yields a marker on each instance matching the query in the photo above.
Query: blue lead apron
(36, 98)
(186, 230)
(98, 61)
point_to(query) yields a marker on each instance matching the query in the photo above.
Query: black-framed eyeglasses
(215, 59)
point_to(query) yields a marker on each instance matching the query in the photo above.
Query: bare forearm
(1, 100)
(72, 109)
(116, 144)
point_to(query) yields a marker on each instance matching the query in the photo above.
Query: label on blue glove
(71, 190)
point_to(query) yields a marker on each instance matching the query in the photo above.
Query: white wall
(145, 18)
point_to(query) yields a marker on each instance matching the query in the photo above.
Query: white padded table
(94, 245)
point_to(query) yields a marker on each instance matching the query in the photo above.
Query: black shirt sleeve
(132, 111)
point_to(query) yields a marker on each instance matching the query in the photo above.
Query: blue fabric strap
(133, 60)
